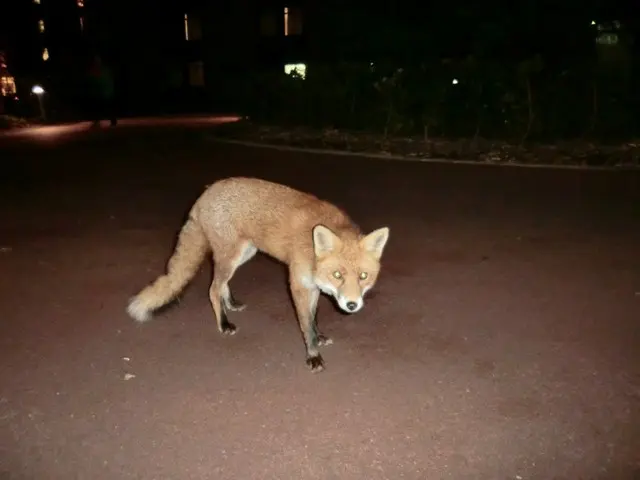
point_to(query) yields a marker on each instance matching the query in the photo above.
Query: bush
(529, 101)
(8, 122)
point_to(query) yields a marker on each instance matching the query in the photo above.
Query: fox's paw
(228, 328)
(315, 363)
(323, 340)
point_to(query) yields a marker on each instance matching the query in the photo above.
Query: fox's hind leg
(226, 263)
(247, 252)
(230, 302)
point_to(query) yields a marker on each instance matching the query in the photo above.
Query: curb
(402, 158)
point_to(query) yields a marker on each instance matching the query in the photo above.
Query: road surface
(501, 341)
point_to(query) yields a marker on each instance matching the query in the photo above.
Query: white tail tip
(138, 311)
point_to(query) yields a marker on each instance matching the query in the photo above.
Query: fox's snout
(350, 305)
(349, 302)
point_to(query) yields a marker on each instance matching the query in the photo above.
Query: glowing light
(7, 85)
(296, 69)
(37, 2)
(593, 22)
(607, 39)
(46, 133)
(45, 54)
(82, 24)
(41, 25)
(80, 3)
(455, 81)
(37, 89)
(54, 132)
(186, 27)
(286, 21)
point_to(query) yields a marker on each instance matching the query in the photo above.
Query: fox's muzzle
(350, 305)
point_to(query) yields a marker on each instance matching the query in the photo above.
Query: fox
(237, 217)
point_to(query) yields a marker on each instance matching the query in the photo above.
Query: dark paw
(228, 328)
(323, 340)
(316, 364)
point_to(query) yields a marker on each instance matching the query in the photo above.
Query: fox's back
(276, 218)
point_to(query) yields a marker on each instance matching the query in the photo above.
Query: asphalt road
(501, 341)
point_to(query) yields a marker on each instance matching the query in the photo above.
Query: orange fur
(237, 217)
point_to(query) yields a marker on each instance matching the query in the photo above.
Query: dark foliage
(471, 98)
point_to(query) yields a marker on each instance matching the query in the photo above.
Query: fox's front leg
(305, 299)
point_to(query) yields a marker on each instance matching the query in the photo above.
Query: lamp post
(38, 91)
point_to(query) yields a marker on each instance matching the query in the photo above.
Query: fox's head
(347, 267)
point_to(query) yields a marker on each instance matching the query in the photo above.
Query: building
(225, 41)
(187, 55)
(52, 42)
(42, 35)
(144, 44)
(43, 43)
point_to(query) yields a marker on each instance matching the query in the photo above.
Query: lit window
(80, 3)
(7, 85)
(607, 26)
(292, 21)
(192, 28)
(296, 69)
(607, 39)
(45, 54)
(286, 21)
(41, 25)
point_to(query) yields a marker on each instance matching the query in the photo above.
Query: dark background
(535, 67)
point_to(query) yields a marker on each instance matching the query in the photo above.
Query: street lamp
(38, 91)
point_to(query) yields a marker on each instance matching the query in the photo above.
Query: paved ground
(501, 341)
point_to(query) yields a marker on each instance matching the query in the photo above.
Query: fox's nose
(352, 306)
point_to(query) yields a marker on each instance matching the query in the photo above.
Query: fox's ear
(375, 241)
(324, 240)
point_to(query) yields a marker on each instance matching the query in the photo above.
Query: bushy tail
(189, 253)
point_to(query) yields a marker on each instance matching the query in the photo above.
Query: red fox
(237, 217)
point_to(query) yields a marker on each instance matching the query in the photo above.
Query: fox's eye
(337, 275)
(363, 275)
